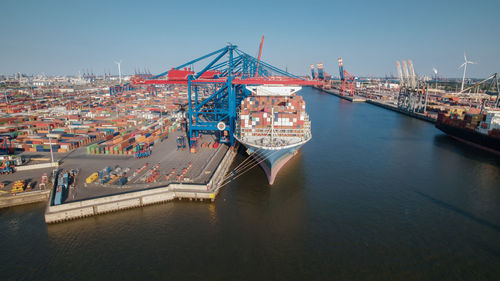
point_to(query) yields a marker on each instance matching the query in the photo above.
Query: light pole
(435, 78)
(51, 152)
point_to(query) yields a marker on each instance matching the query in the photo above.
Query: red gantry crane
(258, 59)
(348, 81)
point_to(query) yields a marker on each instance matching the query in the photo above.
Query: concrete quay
(349, 98)
(37, 166)
(382, 104)
(28, 197)
(133, 199)
(396, 109)
(32, 178)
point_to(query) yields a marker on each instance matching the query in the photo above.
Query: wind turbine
(464, 65)
(119, 70)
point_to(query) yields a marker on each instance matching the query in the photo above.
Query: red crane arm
(260, 54)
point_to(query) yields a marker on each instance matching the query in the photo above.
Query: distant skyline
(64, 37)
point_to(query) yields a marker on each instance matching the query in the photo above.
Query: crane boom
(413, 76)
(400, 73)
(406, 74)
(341, 69)
(258, 58)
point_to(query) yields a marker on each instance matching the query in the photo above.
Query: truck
(7, 167)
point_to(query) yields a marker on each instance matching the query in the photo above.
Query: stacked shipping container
(79, 117)
(125, 143)
(284, 113)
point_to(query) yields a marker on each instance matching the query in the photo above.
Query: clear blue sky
(63, 37)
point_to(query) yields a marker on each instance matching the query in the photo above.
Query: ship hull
(472, 138)
(273, 125)
(272, 160)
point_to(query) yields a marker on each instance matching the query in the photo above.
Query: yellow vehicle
(18, 186)
(92, 178)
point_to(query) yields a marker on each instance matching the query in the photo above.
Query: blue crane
(216, 91)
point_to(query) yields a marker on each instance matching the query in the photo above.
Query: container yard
(118, 139)
(38, 120)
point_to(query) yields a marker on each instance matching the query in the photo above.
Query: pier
(24, 198)
(349, 98)
(396, 109)
(134, 199)
(385, 105)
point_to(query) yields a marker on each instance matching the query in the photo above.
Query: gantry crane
(347, 81)
(483, 91)
(260, 54)
(216, 91)
(413, 93)
(6, 144)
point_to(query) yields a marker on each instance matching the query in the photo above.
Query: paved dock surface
(139, 197)
(24, 198)
(203, 164)
(393, 107)
(387, 105)
(336, 93)
(31, 177)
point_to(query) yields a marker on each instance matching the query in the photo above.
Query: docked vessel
(481, 130)
(273, 125)
(65, 180)
(61, 191)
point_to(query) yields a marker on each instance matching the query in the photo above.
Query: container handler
(142, 150)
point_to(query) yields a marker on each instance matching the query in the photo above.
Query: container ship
(273, 125)
(481, 130)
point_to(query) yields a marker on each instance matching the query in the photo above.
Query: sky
(64, 37)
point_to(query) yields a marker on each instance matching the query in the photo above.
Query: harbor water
(375, 195)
